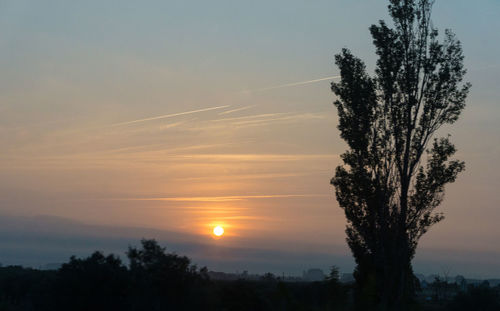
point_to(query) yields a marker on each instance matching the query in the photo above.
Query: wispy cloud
(224, 106)
(256, 157)
(290, 118)
(290, 84)
(170, 115)
(222, 198)
(245, 217)
(237, 109)
(244, 176)
(255, 116)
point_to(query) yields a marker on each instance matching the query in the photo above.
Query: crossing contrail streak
(291, 84)
(170, 115)
(225, 106)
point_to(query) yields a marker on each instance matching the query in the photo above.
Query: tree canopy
(394, 173)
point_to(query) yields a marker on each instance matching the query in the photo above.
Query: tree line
(154, 279)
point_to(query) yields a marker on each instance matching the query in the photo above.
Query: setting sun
(218, 231)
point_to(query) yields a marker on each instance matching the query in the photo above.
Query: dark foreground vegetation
(394, 172)
(157, 280)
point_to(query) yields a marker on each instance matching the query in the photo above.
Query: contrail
(237, 109)
(290, 84)
(170, 115)
(225, 106)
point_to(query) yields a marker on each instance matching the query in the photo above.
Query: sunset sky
(178, 116)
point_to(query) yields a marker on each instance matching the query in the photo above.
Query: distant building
(313, 275)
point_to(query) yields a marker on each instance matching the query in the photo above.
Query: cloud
(258, 157)
(170, 115)
(225, 106)
(290, 118)
(255, 116)
(290, 84)
(237, 109)
(244, 176)
(222, 198)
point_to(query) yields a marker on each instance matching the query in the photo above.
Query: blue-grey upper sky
(84, 82)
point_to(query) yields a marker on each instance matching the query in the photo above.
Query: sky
(163, 119)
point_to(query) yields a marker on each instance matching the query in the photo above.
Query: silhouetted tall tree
(391, 181)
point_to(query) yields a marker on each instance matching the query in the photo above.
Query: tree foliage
(100, 278)
(156, 280)
(394, 173)
(165, 280)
